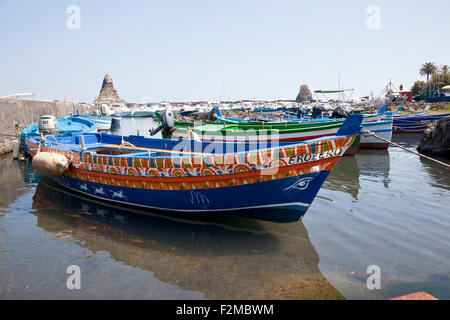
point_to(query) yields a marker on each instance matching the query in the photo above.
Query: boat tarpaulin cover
(332, 91)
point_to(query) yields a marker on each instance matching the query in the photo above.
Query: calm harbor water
(384, 208)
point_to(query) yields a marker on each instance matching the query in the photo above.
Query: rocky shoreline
(436, 139)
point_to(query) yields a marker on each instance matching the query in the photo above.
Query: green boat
(260, 132)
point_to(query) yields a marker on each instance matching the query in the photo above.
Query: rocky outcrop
(107, 93)
(304, 94)
(436, 139)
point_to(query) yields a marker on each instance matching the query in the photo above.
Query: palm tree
(428, 69)
(445, 70)
(445, 74)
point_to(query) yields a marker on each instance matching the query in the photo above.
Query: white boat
(103, 122)
(382, 128)
(117, 109)
(142, 111)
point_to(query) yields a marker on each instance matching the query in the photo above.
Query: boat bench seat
(88, 139)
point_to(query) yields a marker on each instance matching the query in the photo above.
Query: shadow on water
(438, 179)
(222, 257)
(15, 177)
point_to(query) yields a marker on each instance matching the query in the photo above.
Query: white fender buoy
(16, 150)
(53, 164)
(193, 135)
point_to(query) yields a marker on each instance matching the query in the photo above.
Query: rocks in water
(436, 139)
(107, 93)
(304, 94)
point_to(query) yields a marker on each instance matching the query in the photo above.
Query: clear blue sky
(192, 50)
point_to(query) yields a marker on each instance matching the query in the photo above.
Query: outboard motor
(317, 111)
(339, 112)
(48, 125)
(168, 121)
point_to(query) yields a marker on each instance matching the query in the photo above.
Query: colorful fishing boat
(379, 123)
(256, 132)
(192, 176)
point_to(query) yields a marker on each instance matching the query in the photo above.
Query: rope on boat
(127, 144)
(406, 149)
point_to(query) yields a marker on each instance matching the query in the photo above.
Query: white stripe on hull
(231, 137)
(383, 130)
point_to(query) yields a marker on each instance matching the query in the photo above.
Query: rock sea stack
(304, 94)
(107, 93)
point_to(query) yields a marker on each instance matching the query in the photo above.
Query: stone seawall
(26, 112)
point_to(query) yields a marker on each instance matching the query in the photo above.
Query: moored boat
(193, 176)
(280, 132)
(102, 122)
(115, 121)
(50, 125)
(382, 128)
(62, 126)
(415, 123)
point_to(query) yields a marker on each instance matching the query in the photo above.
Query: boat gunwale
(191, 155)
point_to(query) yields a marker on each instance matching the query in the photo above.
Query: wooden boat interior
(139, 146)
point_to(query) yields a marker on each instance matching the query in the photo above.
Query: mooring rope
(406, 149)
(9, 135)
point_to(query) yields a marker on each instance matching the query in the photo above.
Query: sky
(216, 50)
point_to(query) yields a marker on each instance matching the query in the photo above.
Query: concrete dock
(16, 114)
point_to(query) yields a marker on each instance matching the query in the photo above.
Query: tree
(428, 69)
(440, 78)
(418, 87)
(445, 73)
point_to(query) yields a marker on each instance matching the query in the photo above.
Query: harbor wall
(16, 114)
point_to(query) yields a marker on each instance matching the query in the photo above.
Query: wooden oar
(116, 146)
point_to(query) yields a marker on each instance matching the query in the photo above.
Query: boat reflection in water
(366, 165)
(344, 177)
(373, 165)
(221, 257)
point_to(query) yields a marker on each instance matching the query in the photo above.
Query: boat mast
(339, 84)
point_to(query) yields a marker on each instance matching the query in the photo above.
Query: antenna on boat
(339, 82)
(221, 92)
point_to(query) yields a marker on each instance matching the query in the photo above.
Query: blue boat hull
(282, 200)
(414, 124)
